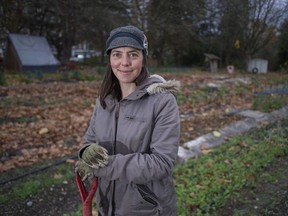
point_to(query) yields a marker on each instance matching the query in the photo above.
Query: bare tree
(68, 12)
(172, 29)
(139, 13)
(179, 31)
(54, 19)
(264, 18)
(98, 18)
(283, 46)
(233, 20)
(12, 13)
(246, 27)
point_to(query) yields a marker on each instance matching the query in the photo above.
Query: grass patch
(181, 97)
(268, 103)
(36, 183)
(204, 184)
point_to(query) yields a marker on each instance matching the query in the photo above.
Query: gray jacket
(141, 134)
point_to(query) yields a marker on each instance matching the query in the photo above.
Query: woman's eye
(133, 55)
(117, 55)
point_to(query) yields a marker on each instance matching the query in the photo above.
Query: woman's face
(126, 63)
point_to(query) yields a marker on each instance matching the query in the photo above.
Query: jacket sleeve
(90, 135)
(141, 168)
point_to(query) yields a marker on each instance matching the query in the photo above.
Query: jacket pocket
(136, 199)
(147, 194)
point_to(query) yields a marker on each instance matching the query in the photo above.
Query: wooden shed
(212, 60)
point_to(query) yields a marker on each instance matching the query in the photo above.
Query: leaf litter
(48, 120)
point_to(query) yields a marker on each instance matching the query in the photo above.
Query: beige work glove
(95, 156)
(83, 170)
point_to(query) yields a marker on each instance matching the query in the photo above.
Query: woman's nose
(125, 60)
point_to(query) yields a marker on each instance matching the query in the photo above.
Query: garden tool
(93, 157)
(85, 196)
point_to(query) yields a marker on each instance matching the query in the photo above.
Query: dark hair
(110, 84)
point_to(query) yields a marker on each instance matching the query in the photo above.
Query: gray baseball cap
(129, 36)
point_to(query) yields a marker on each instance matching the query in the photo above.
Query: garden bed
(42, 121)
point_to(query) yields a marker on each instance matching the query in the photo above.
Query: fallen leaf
(206, 151)
(209, 164)
(247, 165)
(235, 149)
(43, 131)
(243, 144)
(216, 134)
(192, 194)
(25, 152)
(250, 177)
(227, 161)
(190, 128)
(200, 186)
(227, 181)
(57, 176)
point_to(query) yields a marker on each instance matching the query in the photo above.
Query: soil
(56, 200)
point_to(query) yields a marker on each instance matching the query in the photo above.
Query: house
(28, 53)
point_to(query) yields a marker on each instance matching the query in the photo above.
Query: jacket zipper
(116, 126)
(114, 152)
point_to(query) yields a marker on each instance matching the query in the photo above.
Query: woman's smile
(125, 71)
(126, 64)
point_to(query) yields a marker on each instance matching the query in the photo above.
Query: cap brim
(123, 42)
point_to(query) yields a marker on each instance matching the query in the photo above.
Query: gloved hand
(95, 156)
(83, 170)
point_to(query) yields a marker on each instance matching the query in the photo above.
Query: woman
(136, 120)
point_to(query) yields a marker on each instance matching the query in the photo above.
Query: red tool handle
(85, 196)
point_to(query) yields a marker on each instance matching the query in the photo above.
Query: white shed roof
(33, 50)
